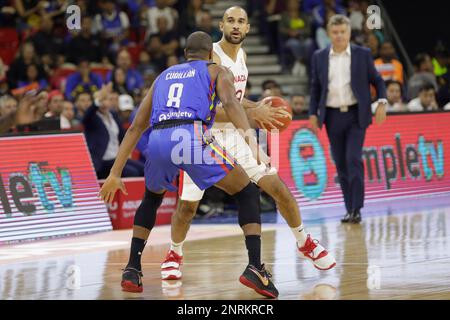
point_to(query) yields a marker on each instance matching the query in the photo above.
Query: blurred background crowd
(126, 44)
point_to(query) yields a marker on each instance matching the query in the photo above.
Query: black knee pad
(146, 213)
(249, 209)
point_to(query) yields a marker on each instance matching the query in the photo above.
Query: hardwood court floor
(395, 256)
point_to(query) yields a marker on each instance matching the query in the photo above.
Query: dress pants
(346, 139)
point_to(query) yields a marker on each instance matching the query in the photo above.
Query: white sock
(300, 235)
(177, 248)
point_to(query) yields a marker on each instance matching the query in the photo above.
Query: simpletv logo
(388, 163)
(21, 188)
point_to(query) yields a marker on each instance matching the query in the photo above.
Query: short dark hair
(420, 58)
(269, 84)
(427, 87)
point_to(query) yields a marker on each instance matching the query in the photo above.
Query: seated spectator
(67, 115)
(82, 81)
(112, 25)
(322, 38)
(8, 105)
(29, 12)
(319, 12)
(163, 44)
(146, 67)
(423, 75)
(172, 60)
(18, 69)
(271, 88)
(133, 79)
(356, 15)
(298, 105)
(86, 42)
(83, 101)
(295, 28)
(426, 100)
(160, 10)
(55, 104)
(119, 81)
(33, 77)
(443, 94)
(191, 17)
(394, 98)
(441, 61)
(206, 25)
(389, 67)
(373, 43)
(126, 106)
(104, 133)
(48, 46)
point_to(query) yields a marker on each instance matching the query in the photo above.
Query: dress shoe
(348, 217)
(356, 218)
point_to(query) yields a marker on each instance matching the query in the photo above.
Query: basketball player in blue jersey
(182, 102)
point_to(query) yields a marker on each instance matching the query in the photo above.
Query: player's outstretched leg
(307, 247)
(144, 220)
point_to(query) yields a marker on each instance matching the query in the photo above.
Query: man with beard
(228, 53)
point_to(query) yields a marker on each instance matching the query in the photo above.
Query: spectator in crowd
(441, 61)
(8, 105)
(83, 101)
(47, 45)
(18, 69)
(67, 115)
(146, 67)
(423, 74)
(104, 132)
(373, 43)
(55, 104)
(33, 78)
(86, 42)
(163, 44)
(206, 25)
(443, 94)
(119, 81)
(191, 17)
(160, 10)
(126, 106)
(295, 28)
(29, 12)
(269, 23)
(298, 104)
(113, 26)
(426, 101)
(133, 79)
(172, 60)
(24, 114)
(84, 80)
(387, 66)
(356, 15)
(319, 11)
(322, 38)
(394, 97)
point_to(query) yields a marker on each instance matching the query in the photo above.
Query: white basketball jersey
(238, 68)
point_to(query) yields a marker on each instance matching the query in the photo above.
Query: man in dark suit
(340, 97)
(103, 131)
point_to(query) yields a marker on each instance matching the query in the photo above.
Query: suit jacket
(363, 74)
(97, 136)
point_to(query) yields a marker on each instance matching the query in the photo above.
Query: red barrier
(123, 208)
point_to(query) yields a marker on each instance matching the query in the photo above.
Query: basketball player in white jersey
(228, 52)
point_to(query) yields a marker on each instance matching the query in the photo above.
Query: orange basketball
(278, 102)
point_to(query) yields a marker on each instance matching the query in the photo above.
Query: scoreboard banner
(403, 158)
(48, 188)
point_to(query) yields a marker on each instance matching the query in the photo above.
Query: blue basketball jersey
(184, 92)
